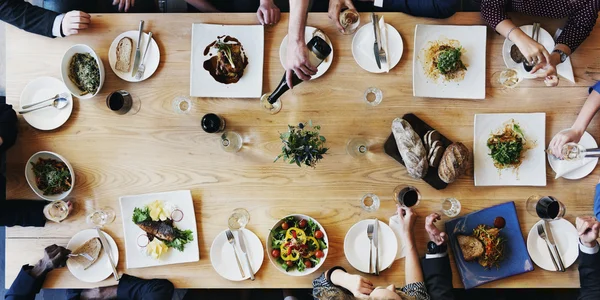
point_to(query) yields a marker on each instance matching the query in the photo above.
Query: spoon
(59, 103)
(61, 95)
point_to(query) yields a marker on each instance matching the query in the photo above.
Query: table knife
(375, 44)
(246, 258)
(561, 265)
(376, 243)
(136, 61)
(107, 252)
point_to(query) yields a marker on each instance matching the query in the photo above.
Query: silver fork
(231, 241)
(370, 230)
(142, 66)
(85, 255)
(382, 56)
(542, 234)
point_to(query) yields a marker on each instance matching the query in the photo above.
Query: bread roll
(454, 162)
(411, 148)
(124, 50)
(91, 247)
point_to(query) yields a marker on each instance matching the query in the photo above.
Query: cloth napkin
(565, 69)
(395, 226)
(384, 44)
(564, 167)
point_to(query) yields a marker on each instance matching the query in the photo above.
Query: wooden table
(158, 150)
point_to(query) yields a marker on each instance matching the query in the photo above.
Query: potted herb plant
(302, 145)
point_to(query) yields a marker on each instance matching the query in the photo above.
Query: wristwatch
(433, 248)
(563, 55)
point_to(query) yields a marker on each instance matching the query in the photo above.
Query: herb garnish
(302, 146)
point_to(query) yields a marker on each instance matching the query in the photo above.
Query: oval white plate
(545, 39)
(223, 260)
(356, 246)
(362, 48)
(308, 34)
(30, 175)
(48, 118)
(101, 269)
(566, 238)
(587, 165)
(152, 57)
(64, 70)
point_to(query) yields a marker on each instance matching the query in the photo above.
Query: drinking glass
(212, 123)
(101, 217)
(407, 196)
(231, 141)
(182, 105)
(451, 207)
(373, 96)
(56, 211)
(271, 108)
(121, 102)
(369, 202)
(238, 219)
(508, 78)
(349, 19)
(357, 147)
(545, 207)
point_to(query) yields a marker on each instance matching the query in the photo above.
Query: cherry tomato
(308, 264)
(319, 234)
(285, 226)
(294, 234)
(275, 253)
(302, 223)
(319, 254)
(289, 263)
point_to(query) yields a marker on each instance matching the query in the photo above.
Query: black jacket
(589, 276)
(27, 17)
(438, 278)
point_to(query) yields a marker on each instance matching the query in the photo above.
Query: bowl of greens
(82, 71)
(297, 245)
(50, 175)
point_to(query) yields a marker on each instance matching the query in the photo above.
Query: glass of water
(373, 96)
(182, 105)
(357, 147)
(56, 211)
(370, 202)
(101, 217)
(451, 207)
(239, 219)
(231, 141)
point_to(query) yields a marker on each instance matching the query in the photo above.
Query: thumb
(535, 69)
(288, 78)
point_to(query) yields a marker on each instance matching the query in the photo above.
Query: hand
(124, 4)
(335, 7)
(534, 52)
(268, 13)
(74, 21)
(54, 257)
(408, 218)
(588, 227)
(357, 285)
(561, 138)
(297, 62)
(435, 235)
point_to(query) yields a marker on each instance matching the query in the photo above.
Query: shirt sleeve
(595, 87)
(494, 11)
(133, 288)
(28, 17)
(417, 290)
(580, 24)
(438, 255)
(597, 202)
(56, 28)
(25, 287)
(588, 250)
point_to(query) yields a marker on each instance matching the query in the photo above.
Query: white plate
(532, 171)
(566, 239)
(356, 246)
(101, 269)
(223, 260)
(545, 39)
(152, 57)
(48, 118)
(308, 34)
(362, 48)
(135, 257)
(30, 175)
(250, 85)
(580, 168)
(473, 40)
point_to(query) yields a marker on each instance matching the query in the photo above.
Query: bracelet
(509, 32)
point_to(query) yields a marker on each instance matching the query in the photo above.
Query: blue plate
(516, 258)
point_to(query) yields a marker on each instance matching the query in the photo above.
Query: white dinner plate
(362, 47)
(48, 118)
(100, 269)
(152, 57)
(222, 256)
(356, 246)
(566, 239)
(545, 39)
(578, 168)
(308, 35)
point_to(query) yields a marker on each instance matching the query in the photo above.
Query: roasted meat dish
(163, 230)
(230, 61)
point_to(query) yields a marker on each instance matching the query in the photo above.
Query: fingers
(288, 78)
(115, 2)
(127, 5)
(365, 290)
(121, 5)
(334, 15)
(536, 68)
(260, 16)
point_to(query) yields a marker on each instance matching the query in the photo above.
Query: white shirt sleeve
(588, 250)
(430, 256)
(378, 3)
(57, 24)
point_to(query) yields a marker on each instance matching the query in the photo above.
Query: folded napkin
(384, 44)
(395, 226)
(566, 70)
(564, 167)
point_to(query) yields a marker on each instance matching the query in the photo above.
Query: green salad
(298, 244)
(507, 147)
(448, 60)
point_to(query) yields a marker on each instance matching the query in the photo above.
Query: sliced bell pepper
(296, 233)
(288, 252)
(311, 241)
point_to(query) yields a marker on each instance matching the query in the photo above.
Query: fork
(142, 66)
(84, 255)
(231, 241)
(542, 234)
(382, 56)
(370, 230)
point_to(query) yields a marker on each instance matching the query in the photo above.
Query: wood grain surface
(158, 150)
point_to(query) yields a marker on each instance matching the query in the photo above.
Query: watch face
(432, 248)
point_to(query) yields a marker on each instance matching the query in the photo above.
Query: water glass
(370, 202)
(349, 19)
(373, 96)
(357, 147)
(545, 207)
(56, 211)
(231, 141)
(451, 207)
(407, 196)
(101, 217)
(182, 105)
(508, 78)
(239, 219)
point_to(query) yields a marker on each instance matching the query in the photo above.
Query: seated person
(581, 16)
(267, 11)
(336, 283)
(31, 278)
(589, 258)
(436, 264)
(102, 6)
(574, 134)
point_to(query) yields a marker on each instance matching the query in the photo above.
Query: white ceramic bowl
(295, 271)
(64, 70)
(30, 176)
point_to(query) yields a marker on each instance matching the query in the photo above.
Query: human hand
(408, 218)
(335, 7)
(124, 5)
(74, 21)
(268, 13)
(588, 228)
(435, 235)
(534, 52)
(561, 138)
(357, 285)
(298, 62)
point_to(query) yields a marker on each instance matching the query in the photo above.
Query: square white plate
(250, 85)
(473, 40)
(134, 257)
(532, 171)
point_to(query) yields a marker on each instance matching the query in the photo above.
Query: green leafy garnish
(183, 237)
(449, 61)
(302, 146)
(141, 214)
(52, 177)
(226, 48)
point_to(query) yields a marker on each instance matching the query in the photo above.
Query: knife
(375, 44)
(376, 243)
(136, 61)
(246, 258)
(561, 266)
(105, 248)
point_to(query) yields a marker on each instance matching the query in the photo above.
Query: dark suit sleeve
(438, 277)
(27, 17)
(439, 9)
(133, 288)
(589, 276)
(22, 213)
(25, 287)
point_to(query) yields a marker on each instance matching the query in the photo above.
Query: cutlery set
(380, 56)
(545, 233)
(231, 239)
(138, 63)
(373, 234)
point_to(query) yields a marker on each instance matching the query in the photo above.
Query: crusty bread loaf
(91, 247)
(124, 50)
(470, 247)
(411, 148)
(454, 162)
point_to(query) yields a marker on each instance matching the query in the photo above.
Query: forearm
(412, 265)
(27, 17)
(589, 109)
(297, 22)
(202, 5)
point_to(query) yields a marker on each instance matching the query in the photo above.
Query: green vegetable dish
(448, 60)
(84, 73)
(298, 243)
(508, 146)
(52, 177)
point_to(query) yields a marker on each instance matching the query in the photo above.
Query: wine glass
(271, 108)
(450, 207)
(545, 207)
(349, 19)
(56, 211)
(370, 202)
(357, 147)
(122, 102)
(101, 217)
(373, 96)
(231, 141)
(508, 78)
(238, 219)
(182, 104)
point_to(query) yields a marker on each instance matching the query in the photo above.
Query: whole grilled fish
(160, 229)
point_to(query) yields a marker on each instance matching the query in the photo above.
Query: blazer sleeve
(27, 17)
(589, 276)
(439, 9)
(22, 213)
(133, 288)
(438, 277)
(25, 287)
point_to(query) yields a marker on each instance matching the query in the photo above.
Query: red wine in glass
(549, 208)
(407, 196)
(119, 101)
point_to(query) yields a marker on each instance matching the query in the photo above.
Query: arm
(579, 26)
(589, 258)
(134, 288)
(436, 264)
(28, 17)
(297, 53)
(22, 213)
(412, 267)
(202, 5)
(337, 280)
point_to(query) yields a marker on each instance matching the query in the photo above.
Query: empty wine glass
(373, 96)
(182, 104)
(357, 147)
(349, 19)
(369, 202)
(238, 219)
(231, 141)
(450, 207)
(101, 217)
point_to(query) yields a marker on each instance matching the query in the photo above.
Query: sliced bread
(92, 248)
(124, 50)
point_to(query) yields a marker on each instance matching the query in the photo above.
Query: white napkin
(384, 44)
(395, 226)
(566, 70)
(564, 167)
